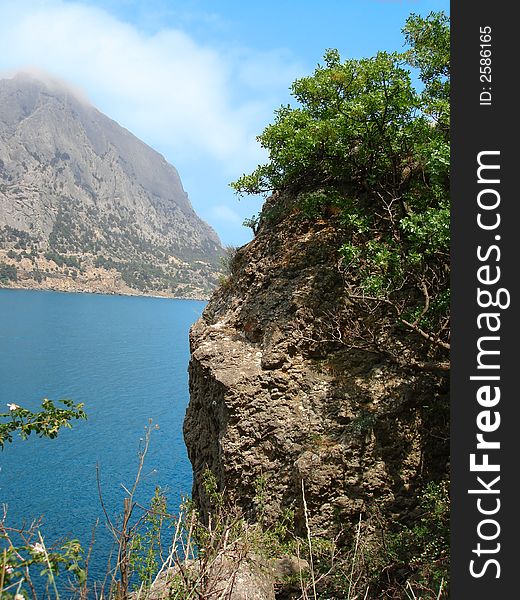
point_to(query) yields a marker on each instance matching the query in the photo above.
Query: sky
(197, 80)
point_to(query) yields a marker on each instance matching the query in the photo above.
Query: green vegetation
(184, 556)
(366, 153)
(146, 552)
(7, 273)
(363, 144)
(105, 263)
(24, 549)
(118, 244)
(21, 239)
(227, 266)
(45, 423)
(252, 223)
(404, 562)
(62, 260)
(423, 547)
(142, 276)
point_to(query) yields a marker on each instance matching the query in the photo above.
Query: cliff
(292, 380)
(87, 206)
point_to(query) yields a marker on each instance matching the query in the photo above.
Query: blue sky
(196, 79)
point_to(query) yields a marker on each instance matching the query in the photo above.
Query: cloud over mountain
(169, 89)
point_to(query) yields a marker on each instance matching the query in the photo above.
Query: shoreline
(133, 294)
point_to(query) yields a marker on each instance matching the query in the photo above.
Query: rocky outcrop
(285, 397)
(81, 192)
(228, 578)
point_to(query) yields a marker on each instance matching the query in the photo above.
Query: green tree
(18, 557)
(7, 273)
(45, 423)
(364, 141)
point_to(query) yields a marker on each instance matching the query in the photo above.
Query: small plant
(146, 546)
(227, 264)
(25, 549)
(228, 259)
(7, 273)
(126, 530)
(364, 423)
(45, 423)
(17, 562)
(424, 547)
(252, 223)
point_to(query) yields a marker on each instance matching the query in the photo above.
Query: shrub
(7, 273)
(363, 141)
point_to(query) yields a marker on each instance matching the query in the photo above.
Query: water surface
(126, 359)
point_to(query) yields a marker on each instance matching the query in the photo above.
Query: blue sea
(126, 359)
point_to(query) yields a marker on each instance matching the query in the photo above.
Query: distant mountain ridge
(86, 205)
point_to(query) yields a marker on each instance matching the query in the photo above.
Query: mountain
(85, 205)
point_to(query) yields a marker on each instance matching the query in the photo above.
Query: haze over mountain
(86, 205)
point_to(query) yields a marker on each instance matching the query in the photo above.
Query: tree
(46, 423)
(7, 273)
(362, 139)
(19, 558)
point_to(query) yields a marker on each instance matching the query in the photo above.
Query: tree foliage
(20, 553)
(7, 273)
(364, 140)
(46, 423)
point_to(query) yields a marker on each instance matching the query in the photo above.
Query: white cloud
(167, 89)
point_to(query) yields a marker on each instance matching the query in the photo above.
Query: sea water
(126, 359)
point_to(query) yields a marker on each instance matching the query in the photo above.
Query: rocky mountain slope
(86, 205)
(286, 389)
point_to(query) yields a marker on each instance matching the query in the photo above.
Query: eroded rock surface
(278, 396)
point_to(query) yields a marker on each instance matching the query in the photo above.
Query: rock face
(228, 578)
(80, 193)
(280, 400)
